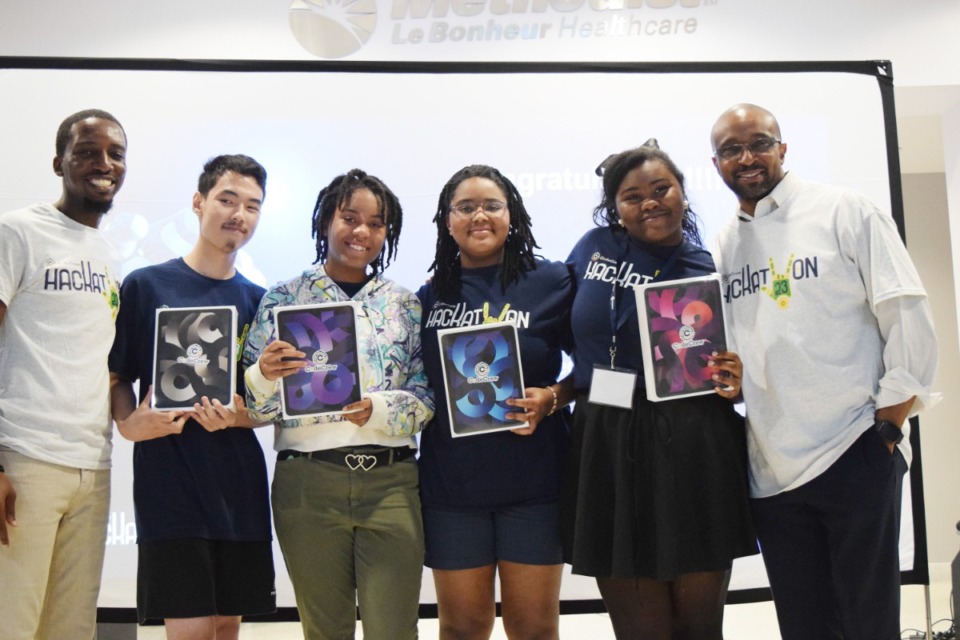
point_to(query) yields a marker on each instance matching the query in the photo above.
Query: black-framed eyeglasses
(493, 208)
(735, 151)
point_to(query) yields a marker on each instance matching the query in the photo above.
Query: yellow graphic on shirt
(241, 341)
(487, 318)
(781, 291)
(112, 295)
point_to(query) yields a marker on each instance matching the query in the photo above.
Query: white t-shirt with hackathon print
(803, 279)
(58, 279)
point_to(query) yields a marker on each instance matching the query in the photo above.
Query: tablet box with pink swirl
(681, 325)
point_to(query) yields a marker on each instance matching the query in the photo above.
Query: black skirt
(658, 491)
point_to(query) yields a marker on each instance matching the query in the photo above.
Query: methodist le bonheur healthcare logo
(333, 28)
(337, 28)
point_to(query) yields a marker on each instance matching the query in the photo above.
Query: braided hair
(337, 194)
(518, 256)
(615, 169)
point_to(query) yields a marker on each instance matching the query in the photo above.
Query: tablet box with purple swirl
(195, 355)
(327, 334)
(481, 370)
(681, 325)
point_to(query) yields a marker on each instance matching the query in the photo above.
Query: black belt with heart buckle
(354, 458)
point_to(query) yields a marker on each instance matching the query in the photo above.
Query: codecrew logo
(769, 280)
(320, 361)
(338, 28)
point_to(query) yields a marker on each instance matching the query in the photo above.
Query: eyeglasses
(735, 151)
(493, 208)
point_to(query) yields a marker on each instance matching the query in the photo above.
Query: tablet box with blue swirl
(327, 333)
(481, 370)
(195, 355)
(681, 324)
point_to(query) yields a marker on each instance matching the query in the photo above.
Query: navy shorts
(197, 578)
(525, 534)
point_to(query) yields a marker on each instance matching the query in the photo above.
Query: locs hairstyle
(238, 163)
(338, 193)
(518, 255)
(63, 131)
(616, 167)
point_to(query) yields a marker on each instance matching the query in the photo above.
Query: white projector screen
(546, 130)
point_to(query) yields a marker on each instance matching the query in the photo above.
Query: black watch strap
(888, 431)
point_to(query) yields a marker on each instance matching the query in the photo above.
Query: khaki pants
(349, 538)
(50, 572)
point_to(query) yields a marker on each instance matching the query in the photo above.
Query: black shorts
(525, 534)
(196, 578)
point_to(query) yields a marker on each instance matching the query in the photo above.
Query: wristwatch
(888, 431)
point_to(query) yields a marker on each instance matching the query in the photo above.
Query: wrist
(556, 400)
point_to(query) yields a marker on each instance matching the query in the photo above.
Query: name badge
(613, 387)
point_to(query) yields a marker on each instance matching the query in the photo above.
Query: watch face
(889, 431)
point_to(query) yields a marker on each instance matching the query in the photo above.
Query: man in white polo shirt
(832, 323)
(58, 301)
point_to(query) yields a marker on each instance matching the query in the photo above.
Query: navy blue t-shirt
(498, 469)
(608, 255)
(195, 484)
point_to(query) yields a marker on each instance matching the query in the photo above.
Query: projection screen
(414, 124)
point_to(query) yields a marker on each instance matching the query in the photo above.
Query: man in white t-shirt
(58, 300)
(833, 326)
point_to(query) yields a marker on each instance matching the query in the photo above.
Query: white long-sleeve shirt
(831, 321)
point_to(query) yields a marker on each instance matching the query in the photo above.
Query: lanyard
(660, 274)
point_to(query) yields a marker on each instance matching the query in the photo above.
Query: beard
(97, 206)
(756, 191)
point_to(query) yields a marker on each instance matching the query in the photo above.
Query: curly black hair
(518, 249)
(338, 193)
(616, 167)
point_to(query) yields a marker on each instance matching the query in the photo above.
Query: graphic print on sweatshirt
(770, 280)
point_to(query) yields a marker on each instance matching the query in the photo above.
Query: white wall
(928, 239)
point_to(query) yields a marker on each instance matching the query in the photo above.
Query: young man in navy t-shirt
(200, 481)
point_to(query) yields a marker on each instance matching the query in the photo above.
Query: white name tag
(613, 387)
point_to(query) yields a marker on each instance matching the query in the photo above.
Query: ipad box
(327, 334)
(481, 370)
(681, 324)
(195, 355)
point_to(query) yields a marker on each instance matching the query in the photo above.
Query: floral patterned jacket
(391, 369)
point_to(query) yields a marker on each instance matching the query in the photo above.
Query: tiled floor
(741, 622)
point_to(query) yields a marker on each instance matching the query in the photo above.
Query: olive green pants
(351, 537)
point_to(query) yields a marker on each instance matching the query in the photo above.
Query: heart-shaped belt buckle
(360, 461)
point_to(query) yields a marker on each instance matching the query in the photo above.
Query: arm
(540, 402)
(909, 358)
(406, 403)
(266, 360)
(278, 360)
(8, 504)
(140, 422)
(8, 495)
(899, 303)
